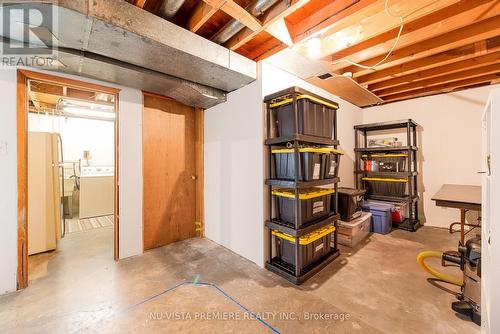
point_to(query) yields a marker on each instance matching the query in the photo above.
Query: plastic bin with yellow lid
(313, 247)
(385, 186)
(304, 194)
(308, 238)
(315, 116)
(315, 163)
(314, 205)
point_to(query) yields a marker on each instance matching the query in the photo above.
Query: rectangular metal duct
(123, 32)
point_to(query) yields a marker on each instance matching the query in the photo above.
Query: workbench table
(463, 197)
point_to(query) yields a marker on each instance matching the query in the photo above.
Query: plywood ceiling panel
(347, 89)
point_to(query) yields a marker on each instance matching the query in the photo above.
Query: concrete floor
(375, 288)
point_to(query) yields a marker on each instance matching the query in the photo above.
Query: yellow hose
(444, 277)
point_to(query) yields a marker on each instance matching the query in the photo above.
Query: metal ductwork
(257, 8)
(169, 8)
(118, 42)
(102, 68)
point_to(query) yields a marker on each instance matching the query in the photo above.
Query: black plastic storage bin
(313, 247)
(311, 166)
(350, 203)
(315, 163)
(385, 186)
(316, 116)
(332, 163)
(314, 204)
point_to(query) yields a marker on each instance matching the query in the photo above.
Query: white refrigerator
(44, 192)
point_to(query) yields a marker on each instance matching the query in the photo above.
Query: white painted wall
(235, 196)
(450, 140)
(78, 135)
(234, 172)
(130, 172)
(130, 141)
(8, 182)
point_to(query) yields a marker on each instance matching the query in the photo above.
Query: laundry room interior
(72, 130)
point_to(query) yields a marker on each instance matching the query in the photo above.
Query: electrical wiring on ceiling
(390, 51)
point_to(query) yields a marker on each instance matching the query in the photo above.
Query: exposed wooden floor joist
(487, 59)
(442, 21)
(441, 40)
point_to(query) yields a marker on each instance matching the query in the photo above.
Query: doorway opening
(68, 158)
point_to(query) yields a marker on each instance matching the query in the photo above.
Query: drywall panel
(8, 182)
(449, 140)
(130, 171)
(233, 166)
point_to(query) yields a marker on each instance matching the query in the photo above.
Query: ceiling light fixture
(314, 47)
(70, 102)
(89, 112)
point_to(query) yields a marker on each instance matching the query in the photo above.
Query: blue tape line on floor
(224, 293)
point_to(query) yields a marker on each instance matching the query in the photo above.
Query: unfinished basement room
(250, 166)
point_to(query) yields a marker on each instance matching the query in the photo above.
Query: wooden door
(170, 160)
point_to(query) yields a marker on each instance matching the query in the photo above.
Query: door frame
(22, 161)
(199, 163)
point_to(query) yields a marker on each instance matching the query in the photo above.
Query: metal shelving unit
(297, 274)
(411, 149)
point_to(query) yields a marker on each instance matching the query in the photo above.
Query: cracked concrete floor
(375, 288)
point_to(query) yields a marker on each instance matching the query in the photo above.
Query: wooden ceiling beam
(338, 14)
(201, 14)
(266, 49)
(237, 12)
(333, 40)
(151, 6)
(276, 13)
(444, 20)
(139, 3)
(46, 88)
(442, 79)
(458, 66)
(470, 34)
(439, 59)
(443, 88)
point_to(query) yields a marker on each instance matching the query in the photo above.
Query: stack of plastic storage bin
(303, 177)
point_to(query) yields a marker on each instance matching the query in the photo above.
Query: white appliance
(97, 191)
(490, 229)
(44, 192)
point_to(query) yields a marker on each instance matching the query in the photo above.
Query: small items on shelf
(384, 162)
(384, 142)
(303, 155)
